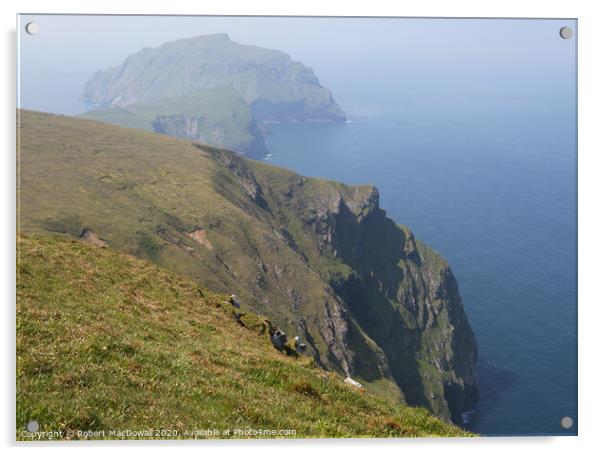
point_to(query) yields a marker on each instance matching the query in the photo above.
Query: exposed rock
(200, 235)
(334, 329)
(90, 236)
(218, 117)
(240, 169)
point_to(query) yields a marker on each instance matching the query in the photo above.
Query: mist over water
(468, 130)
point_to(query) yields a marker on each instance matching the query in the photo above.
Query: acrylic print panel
(285, 227)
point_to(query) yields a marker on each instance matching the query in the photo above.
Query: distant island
(212, 90)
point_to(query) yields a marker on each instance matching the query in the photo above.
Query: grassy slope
(108, 341)
(143, 193)
(123, 184)
(222, 117)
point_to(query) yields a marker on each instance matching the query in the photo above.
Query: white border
(590, 229)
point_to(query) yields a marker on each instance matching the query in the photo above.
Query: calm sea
(491, 184)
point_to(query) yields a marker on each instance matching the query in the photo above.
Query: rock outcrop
(400, 293)
(217, 116)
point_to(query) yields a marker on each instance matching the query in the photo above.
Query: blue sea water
(491, 185)
(467, 128)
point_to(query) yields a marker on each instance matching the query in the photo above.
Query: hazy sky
(358, 59)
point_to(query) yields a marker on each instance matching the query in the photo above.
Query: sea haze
(487, 178)
(467, 128)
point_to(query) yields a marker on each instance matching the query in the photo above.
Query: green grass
(121, 116)
(124, 184)
(106, 341)
(288, 246)
(221, 117)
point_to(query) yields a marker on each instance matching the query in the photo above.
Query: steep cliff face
(200, 129)
(406, 299)
(318, 258)
(220, 117)
(401, 293)
(271, 86)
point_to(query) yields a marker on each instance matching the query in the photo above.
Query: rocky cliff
(319, 258)
(272, 86)
(219, 116)
(398, 292)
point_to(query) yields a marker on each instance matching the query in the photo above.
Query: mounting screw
(32, 28)
(566, 32)
(566, 423)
